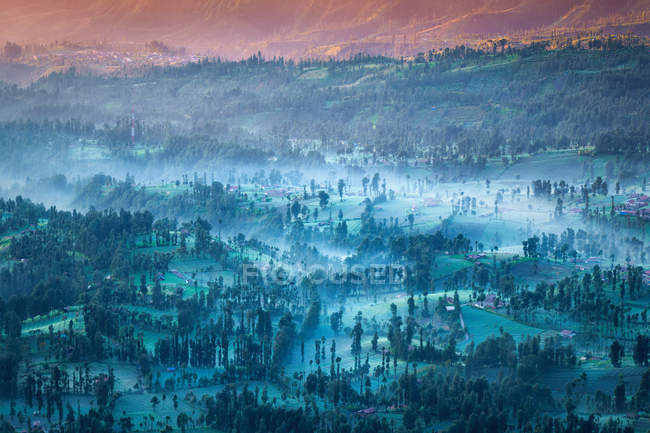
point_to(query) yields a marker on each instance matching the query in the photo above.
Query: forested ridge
(449, 105)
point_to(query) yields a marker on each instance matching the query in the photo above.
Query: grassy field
(483, 324)
(445, 266)
(531, 272)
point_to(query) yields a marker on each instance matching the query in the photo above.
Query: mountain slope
(238, 27)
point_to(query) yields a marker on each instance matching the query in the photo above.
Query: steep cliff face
(291, 27)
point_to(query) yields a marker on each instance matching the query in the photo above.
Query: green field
(484, 324)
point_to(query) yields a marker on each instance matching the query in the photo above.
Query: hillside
(460, 104)
(331, 27)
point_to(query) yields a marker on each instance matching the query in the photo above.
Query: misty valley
(452, 241)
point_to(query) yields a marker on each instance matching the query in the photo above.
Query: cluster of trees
(473, 404)
(218, 201)
(529, 358)
(249, 412)
(585, 298)
(591, 242)
(12, 50)
(47, 271)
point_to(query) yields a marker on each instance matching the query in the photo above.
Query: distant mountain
(321, 27)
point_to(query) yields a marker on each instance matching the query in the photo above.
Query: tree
(619, 395)
(143, 284)
(201, 235)
(157, 294)
(365, 182)
(616, 353)
(183, 245)
(311, 320)
(323, 199)
(126, 424)
(357, 332)
(375, 183)
(335, 322)
(12, 50)
(642, 396)
(6, 427)
(283, 338)
(182, 420)
(409, 417)
(295, 208)
(102, 390)
(641, 348)
(411, 305)
(9, 362)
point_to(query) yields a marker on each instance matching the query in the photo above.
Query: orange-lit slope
(238, 27)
